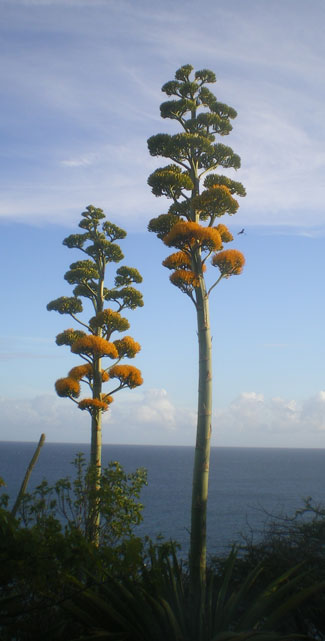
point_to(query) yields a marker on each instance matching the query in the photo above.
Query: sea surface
(245, 485)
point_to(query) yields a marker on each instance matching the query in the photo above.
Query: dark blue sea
(245, 484)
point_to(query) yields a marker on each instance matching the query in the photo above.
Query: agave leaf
(293, 602)
(229, 613)
(256, 635)
(268, 599)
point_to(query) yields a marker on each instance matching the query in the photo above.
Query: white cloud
(313, 412)
(135, 417)
(150, 417)
(25, 419)
(253, 420)
(156, 409)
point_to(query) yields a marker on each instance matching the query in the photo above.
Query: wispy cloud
(82, 161)
(106, 97)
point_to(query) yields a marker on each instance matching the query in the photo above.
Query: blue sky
(80, 84)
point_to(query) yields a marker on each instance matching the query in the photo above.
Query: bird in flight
(242, 231)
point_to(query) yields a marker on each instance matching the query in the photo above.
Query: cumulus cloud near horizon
(151, 417)
(255, 420)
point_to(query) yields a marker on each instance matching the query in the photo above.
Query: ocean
(245, 485)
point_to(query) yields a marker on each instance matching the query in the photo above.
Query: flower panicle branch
(109, 321)
(226, 235)
(215, 202)
(127, 346)
(230, 262)
(69, 336)
(86, 371)
(178, 260)
(95, 404)
(94, 346)
(128, 375)
(67, 387)
(189, 236)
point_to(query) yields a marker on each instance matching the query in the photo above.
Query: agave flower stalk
(94, 343)
(190, 227)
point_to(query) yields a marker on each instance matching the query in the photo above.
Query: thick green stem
(96, 420)
(96, 431)
(202, 449)
(95, 457)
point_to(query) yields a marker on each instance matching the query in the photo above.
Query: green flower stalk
(93, 343)
(199, 198)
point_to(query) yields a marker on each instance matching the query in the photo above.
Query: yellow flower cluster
(107, 398)
(67, 387)
(230, 262)
(94, 346)
(127, 374)
(86, 371)
(127, 346)
(93, 404)
(187, 235)
(179, 260)
(80, 371)
(184, 277)
(225, 234)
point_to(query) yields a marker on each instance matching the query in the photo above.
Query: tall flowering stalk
(94, 343)
(199, 199)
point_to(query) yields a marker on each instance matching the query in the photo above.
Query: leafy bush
(47, 544)
(70, 502)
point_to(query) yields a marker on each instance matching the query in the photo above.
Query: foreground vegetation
(56, 584)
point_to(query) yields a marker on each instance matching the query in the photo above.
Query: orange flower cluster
(230, 262)
(187, 235)
(80, 371)
(127, 346)
(127, 374)
(94, 346)
(93, 405)
(67, 387)
(86, 371)
(225, 234)
(107, 398)
(110, 321)
(179, 260)
(184, 277)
